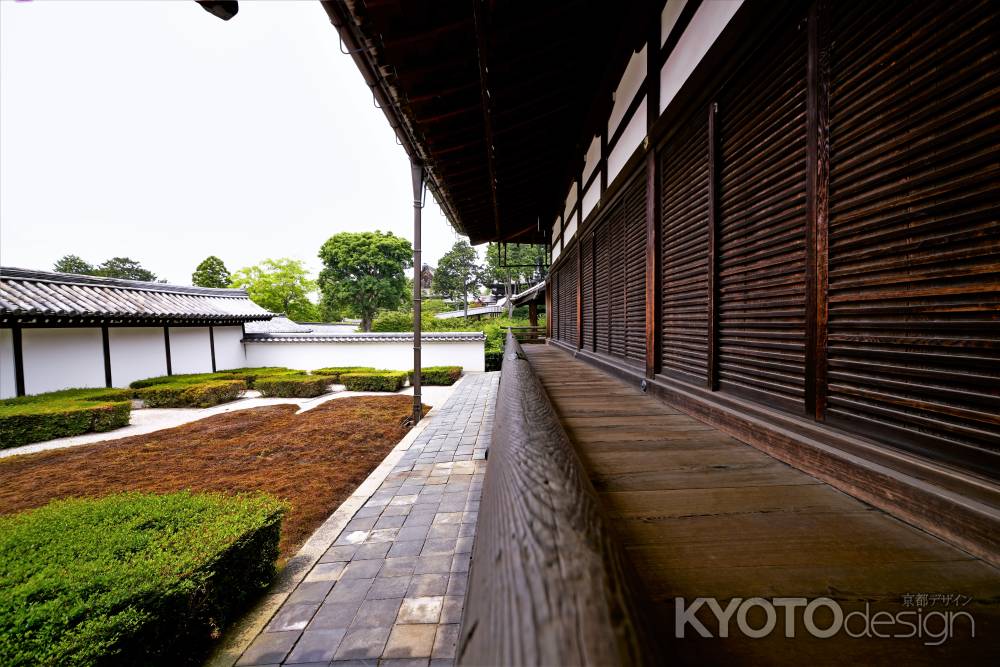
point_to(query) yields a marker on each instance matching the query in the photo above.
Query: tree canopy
(116, 267)
(364, 272)
(212, 272)
(458, 273)
(280, 285)
(523, 260)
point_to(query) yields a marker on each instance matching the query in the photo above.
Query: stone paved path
(391, 589)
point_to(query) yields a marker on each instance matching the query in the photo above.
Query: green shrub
(335, 372)
(131, 579)
(494, 359)
(393, 320)
(248, 375)
(176, 380)
(377, 381)
(438, 375)
(251, 375)
(294, 386)
(59, 414)
(200, 395)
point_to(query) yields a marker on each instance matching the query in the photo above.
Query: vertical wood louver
(617, 295)
(914, 240)
(761, 244)
(587, 290)
(633, 205)
(684, 251)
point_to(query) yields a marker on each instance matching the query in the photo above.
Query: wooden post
(17, 344)
(166, 346)
(533, 314)
(579, 292)
(417, 177)
(211, 344)
(817, 209)
(106, 345)
(713, 242)
(653, 324)
(548, 306)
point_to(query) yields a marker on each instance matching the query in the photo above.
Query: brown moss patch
(313, 460)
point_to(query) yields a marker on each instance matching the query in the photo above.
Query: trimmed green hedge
(294, 386)
(377, 381)
(248, 375)
(335, 372)
(131, 579)
(199, 395)
(438, 375)
(59, 414)
(251, 375)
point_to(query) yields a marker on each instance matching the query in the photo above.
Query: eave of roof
(371, 337)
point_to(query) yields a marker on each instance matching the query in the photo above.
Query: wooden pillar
(211, 344)
(653, 324)
(579, 290)
(548, 306)
(16, 343)
(533, 314)
(817, 209)
(166, 346)
(713, 243)
(106, 344)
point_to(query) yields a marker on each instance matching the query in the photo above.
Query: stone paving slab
(391, 589)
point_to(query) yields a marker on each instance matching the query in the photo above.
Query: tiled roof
(25, 293)
(494, 309)
(374, 337)
(277, 325)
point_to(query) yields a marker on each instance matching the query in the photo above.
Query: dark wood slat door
(762, 225)
(684, 252)
(914, 252)
(633, 205)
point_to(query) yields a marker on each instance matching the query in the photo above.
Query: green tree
(73, 264)
(125, 268)
(281, 286)
(522, 261)
(364, 272)
(212, 272)
(458, 273)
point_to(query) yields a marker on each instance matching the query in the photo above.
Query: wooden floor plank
(703, 515)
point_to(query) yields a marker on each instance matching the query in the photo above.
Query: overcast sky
(157, 131)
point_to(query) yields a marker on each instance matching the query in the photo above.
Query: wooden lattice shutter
(567, 298)
(761, 245)
(587, 291)
(633, 205)
(684, 248)
(602, 287)
(914, 240)
(616, 281)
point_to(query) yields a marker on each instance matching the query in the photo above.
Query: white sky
(157, 131)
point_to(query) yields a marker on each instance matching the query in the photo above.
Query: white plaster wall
(556, 230)
(136, 353)
(705, 27)
(592, 158)
(229, 351)
(631, 81)
(386, 355)
(62, 358)
(570, 230)
(8, 385)
(633, 135)
(570, 202)
(190, 351)
(591, 196)
(668, 18)
(556, 251)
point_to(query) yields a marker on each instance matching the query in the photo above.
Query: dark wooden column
(166, 346)
(211, 344)
(106, 344)
(548, 307)
(713, 243)
(533, 314)
(579, 291)
(817, 209)
(17, 344)
(653, 282)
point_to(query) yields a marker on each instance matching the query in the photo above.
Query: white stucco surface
(136, 353)
(631, 137)
(388, 355)
(190, 351)
(62, 358)
(628, 86)
(705, 27)
(591, 196)
(8, 385)
(228, 348)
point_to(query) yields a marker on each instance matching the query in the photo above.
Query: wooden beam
(817, 209)
(211, 345)
(713, 242)
(17, 344)
(166, 346)
(544, 550)
(106, 345)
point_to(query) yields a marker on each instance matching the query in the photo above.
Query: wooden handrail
(547, 582)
